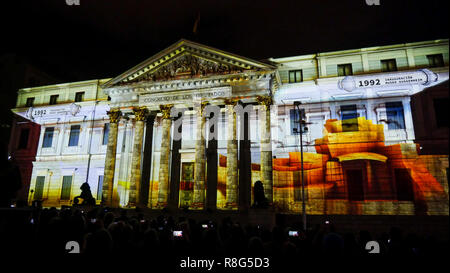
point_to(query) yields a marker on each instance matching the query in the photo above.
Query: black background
(103, 38)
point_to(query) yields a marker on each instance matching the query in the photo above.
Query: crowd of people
(105, 231)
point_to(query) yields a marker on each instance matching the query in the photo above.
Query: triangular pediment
(186, 59)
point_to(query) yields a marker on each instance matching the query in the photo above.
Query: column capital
(264, 100)
(114, 115)
(165, 109)
(140, 113)
(231, 101)
(201, 107)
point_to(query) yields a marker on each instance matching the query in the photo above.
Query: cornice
(166, 56)
(192, 83)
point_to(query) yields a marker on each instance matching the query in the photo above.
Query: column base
(106, 204)
(135, 205)
(131, 205)
(197, 206)
(161, 205)
(231, 206)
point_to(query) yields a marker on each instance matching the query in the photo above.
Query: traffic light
(303, 127)
(300, 118)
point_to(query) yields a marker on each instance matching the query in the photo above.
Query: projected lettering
(420, 77)
(369, 82)
(39, 112)
(186, 96)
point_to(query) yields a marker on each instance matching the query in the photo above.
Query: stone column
(232, 157)
(163, 183)
(200, 160)
(110, 160)
(266, 146)
(409, 123)
(135, 182)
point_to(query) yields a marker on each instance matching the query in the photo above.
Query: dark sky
(103, 38)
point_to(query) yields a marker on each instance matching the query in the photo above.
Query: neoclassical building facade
(196, 127)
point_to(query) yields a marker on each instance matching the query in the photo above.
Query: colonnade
(232, 181)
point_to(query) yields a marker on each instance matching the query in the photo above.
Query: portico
(190, 91)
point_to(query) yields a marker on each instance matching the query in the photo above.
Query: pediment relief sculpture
(188, 66)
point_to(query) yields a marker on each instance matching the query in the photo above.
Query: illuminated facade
(196, 127)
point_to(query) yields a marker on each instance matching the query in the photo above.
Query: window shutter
(39, 187)
(66, 187)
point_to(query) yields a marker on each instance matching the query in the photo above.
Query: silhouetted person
(98, 242)
(256, 247)
(333, 244)
(396, 245)
(260, 199)
(86, 195)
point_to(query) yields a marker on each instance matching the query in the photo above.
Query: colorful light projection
(354, 172)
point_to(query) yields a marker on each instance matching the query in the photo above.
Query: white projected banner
(420, 77)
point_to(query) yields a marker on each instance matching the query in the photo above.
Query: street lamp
(301, 130)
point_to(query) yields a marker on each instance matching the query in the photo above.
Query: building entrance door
(355, 185)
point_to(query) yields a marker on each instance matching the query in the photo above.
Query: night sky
(103, 38)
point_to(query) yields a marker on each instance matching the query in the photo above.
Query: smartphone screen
(293, 233)
(178, 233)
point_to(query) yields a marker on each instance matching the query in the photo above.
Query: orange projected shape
(427, 186)
(336, 142)
(310, 160)
(386, 174)
(293, 163)
(223, 163)
(358, 156)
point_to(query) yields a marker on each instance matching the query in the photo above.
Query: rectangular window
(48, 137)
(403, 185)
(345, 70)
(66, 187)
(100, 187)
(441, 107)
(30, 102)
(39, 187)
(388, 65)
(54, 99)
(23, 140)
(349, 117)
(435, 60)
(355, 185)
(295, 76)
(105, 134)
(79, 96)
(395, 116)
(74, 135)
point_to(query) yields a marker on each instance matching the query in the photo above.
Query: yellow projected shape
(368, 156)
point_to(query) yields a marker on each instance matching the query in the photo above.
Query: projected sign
(185, 96)
(420, 77)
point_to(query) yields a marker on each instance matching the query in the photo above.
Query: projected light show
(355, 172)
(216, 135)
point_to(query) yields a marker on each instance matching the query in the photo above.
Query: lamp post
(300, 131)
